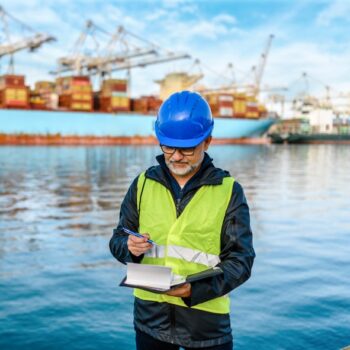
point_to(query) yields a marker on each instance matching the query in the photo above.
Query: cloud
(338, 9)
(225, 19)
(191, 29)
(174, 3)
(158, 14)
(191, 9)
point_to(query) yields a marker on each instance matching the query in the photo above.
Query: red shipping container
(13, 80)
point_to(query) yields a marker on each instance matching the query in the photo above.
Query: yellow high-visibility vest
(189, 243)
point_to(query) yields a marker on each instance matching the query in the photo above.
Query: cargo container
(13, 92)
(146, 104)
(153, 104)
(113, 96)
(240, 105)
(69, 103)
(11, 80)
(252, 107)
(262, 110)
(44, 87)
(44, 90)
(114, 104)
(213, 103)
(14, 97)
(75, 93)
(139, 105)
(36, 101)
(114, 85)
(221, 104)
(225, 102)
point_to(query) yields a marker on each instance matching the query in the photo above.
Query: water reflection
(78, 190)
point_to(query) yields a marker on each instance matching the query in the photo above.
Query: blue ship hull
(81, 124)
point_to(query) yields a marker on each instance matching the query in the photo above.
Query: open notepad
(160, 279)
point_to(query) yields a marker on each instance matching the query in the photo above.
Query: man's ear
(207, 142)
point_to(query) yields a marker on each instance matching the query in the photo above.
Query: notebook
(161, 279)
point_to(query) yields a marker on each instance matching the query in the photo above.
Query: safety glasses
(186, 151)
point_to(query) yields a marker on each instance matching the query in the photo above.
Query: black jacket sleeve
(237, 253)
(128, 218)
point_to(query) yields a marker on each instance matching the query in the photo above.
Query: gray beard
(186, 170)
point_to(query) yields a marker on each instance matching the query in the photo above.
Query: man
(199, 218)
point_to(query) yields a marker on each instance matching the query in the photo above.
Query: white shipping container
(225, 112)
(226, 98)
(118, 94)
(252, 104)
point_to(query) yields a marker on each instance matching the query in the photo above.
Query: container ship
(68, 111)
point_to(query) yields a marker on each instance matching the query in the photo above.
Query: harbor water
(59, 282)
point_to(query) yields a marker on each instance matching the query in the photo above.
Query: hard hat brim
(171, 142)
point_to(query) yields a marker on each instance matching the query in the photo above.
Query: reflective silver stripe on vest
(192, 255)
(187, 254)
(157, 251)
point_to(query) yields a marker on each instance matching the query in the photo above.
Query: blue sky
(310, 36)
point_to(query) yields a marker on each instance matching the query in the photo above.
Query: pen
(129, 232)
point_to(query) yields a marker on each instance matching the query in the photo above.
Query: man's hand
(183, 291)
(138, 246)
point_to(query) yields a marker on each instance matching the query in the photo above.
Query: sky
(309, 36)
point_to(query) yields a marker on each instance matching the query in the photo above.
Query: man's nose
(177, 156)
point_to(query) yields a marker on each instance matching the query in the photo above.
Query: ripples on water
(58, 281)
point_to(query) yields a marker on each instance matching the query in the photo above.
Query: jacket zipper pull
(177, 205)
(178, 200)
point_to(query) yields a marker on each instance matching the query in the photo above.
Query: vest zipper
(178, 200)
(178, 207)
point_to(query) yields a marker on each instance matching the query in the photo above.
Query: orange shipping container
(66, 85)
(82, 96)
(139, 105)
(214, 109)
(67, 101)
(114, 104)
(81, 106)
(14, 98)
(44, 86)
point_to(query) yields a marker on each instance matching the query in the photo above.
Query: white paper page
(177, 279)
(148, 275)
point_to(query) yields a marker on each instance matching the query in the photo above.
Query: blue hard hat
(184, 120)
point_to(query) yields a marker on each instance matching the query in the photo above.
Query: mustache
(177, 162)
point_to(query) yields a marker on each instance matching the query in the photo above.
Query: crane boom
(31, 43)
(149, 62)
(98, 63)
(120, 53)
(261, 67)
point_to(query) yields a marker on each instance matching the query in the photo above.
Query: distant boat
(316, 125)
(310, 138)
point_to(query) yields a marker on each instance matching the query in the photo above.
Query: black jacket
(187, 326)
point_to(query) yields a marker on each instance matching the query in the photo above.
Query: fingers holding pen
(138, 245)
(138, 242)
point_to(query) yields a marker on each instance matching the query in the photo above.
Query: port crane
(252, 89)
(31, 42)
(259, 70)
(119, 53)
(337, 101)
(303, 100)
